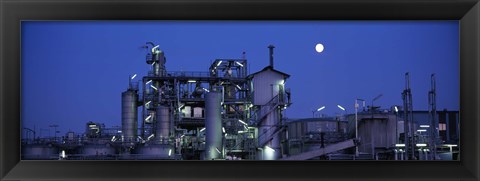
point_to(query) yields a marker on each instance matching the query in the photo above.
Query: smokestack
(271, 47)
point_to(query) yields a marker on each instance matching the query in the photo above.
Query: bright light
(341, 107)
(192, 81)
(270, 149)
(239, 64)
(153, 87)
(181, 106)
(206, 90)
(400, 145)
(424, 126)
(148, 102)
(219, 63)
(63, 154)
(150, 137)
(113, 138)
(422, 130)
(451, 145)
(202, 129)
(245, 127)
(153, 63)
(148, 117)
(421, 144)
(242, 122)
(396, 109)
(155, 47)
(223, 129)
(148, 82)
(319, 48)
(319, 109)
(170, 152)
(239, 88)
(134, 76)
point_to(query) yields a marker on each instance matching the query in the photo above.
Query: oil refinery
(227, 114)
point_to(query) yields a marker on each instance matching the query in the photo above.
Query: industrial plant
(226, 113)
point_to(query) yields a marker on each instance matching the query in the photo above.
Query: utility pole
(432, 104)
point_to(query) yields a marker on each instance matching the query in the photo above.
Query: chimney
(271, 47)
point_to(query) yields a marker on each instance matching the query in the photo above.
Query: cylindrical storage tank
(163, 124)
(129, 115)
(213, 126)
(39, 152)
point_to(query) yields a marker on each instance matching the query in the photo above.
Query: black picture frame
(12, 12)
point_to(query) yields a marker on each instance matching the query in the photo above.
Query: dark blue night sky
(74, 72)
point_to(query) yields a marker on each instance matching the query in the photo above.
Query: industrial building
(227, 114)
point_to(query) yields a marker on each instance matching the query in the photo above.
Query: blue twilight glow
(357, 59)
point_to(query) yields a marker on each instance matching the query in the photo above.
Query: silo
(129, 115)
(213, 126)
(163, 124)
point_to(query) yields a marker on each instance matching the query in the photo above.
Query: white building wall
(266, 86)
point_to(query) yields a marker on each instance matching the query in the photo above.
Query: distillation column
(163, 124)
(129, 115)
(213, 126)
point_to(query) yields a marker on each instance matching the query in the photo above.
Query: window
(442, 127)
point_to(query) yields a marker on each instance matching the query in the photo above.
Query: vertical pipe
(271, 47)
(143, 109)
(213, 125)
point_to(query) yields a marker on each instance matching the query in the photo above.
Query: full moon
(319, 48)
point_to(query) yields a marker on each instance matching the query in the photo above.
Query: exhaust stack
(271, 47)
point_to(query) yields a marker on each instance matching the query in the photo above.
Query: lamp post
(343, 109)
(396, 124)
(356, 122)
(319, 109)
